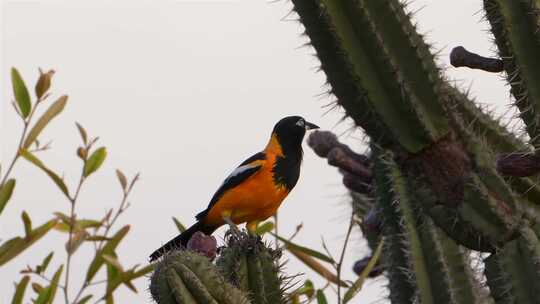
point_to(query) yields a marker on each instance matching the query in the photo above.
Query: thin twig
(21, 141)
(276, 230)
(340, 263)
(73, 201)
(124, 204)
(47, 279)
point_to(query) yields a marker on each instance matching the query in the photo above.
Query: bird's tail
(182, 239)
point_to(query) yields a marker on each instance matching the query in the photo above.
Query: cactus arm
(400, 230)
(463, 285)
(178, 289)
(513, 274)
(256, 280)
(242, 273)
(410, 58)
(419, 265)
(451, 277)
(375, 91)
(195, 285)
(483, 125)
(274, 292)
(402, 290)
(253, 267)
(515, 26)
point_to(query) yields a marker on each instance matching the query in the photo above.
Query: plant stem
(73, 201)
(340, 263)
(123, 206)
(19, 146)
(276, 230)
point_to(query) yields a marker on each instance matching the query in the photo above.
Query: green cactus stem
(515, 26)
(513, 274)
(418, 254)
(185, 277)
(486, 128)
(380, 69)
(254, 268)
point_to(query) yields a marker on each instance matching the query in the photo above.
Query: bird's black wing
(240, 174)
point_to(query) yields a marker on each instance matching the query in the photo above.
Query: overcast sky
(182, 91)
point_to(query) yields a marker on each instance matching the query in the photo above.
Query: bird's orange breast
(255, 199)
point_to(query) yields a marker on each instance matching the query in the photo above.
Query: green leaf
(114, 276)
(308, 251)
(357, 285)
(78, 237)
(20, 290)
(307, 289)
(108, 249)
(27, 224)
(15, 246)
(121, 178)
(53, 111)
(37, 287)
(97, 238)
(319, 268)
(5, 193)
(46, 296)
(113, 261)
(81, 224)
(21, 93)
(321, 298)
(38, 163)
(85, 223)
(179, 225)
(43, 267)
(127, 276)
(264, 228)
(85, 299)
(142, 272)
(82, 132)
(95, 161)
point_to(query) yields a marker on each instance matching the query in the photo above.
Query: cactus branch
(518, 164)
(460, 57)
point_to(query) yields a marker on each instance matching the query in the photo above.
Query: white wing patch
(239, 171)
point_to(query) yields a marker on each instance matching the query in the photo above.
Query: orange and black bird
(255, 189)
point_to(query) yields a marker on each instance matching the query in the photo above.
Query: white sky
(182, 91)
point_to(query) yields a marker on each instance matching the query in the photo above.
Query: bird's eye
(301, 123)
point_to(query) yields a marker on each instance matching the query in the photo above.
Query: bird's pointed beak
(310, 126)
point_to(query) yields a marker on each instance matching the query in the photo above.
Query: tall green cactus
(448, 177)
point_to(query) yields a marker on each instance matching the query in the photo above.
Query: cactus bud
(360, 265)
(203, 244)
(339, 158)
(82, 153)
(372, 221)
(322, 142)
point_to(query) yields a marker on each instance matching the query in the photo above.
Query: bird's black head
(290, 131)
